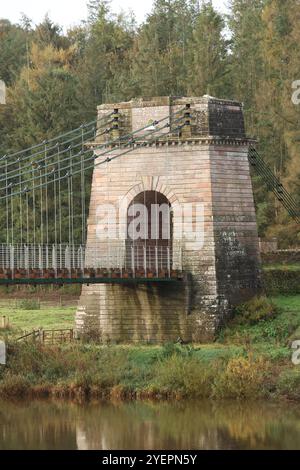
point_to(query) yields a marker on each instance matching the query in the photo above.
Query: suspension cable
(83, 196)
(45, 182)
(274, 184)
(54, 139)
(7, 209)
(11, 174)
(14, 172)
(93, 157)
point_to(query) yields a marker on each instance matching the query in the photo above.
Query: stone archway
(149, 234)
(152, 183)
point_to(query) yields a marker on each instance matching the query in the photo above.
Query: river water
(148, 425)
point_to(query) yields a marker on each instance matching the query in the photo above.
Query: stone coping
(145, 102)
(175, 141)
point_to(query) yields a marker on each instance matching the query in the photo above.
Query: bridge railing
(120, 256)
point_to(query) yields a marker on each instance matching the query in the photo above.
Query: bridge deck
(86, 276)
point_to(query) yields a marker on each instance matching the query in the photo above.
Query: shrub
(87, 370)
(281, 281)
(14, 386)
(169, 349)
(243, 377)
(255, 310)
(77, 366)
(274, 332)
(181, 377)
(288, 384)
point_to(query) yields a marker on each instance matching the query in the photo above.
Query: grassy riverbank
(250, 359)
(22, 318)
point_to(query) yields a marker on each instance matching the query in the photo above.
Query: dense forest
(56, 79)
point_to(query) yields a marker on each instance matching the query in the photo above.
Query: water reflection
(191, 425)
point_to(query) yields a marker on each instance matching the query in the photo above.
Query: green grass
(267, 334)
(248, 360)
(47, 318)
(276, 330)
(282, 267)
(287, 303)
(232, 338)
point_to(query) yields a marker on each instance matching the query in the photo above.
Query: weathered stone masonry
(209, 165)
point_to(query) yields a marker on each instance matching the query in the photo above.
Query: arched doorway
(149, 233)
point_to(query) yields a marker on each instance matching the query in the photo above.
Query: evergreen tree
(209, 55)
(282, 137)
(48, 33)
(103, 68)
(49, 105)
(160, 59)
(13, 51)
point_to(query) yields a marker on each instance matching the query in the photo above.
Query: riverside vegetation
(250, 359)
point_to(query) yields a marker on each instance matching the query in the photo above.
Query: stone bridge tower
(204, 165)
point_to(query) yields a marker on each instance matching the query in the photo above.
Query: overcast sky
(70, 12)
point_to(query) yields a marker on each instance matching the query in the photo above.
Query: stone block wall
(212, 173)
(237, 251)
